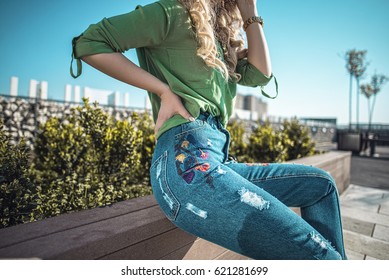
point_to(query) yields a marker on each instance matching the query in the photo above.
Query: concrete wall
(133, 229)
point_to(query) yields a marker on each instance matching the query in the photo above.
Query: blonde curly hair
(217, 20)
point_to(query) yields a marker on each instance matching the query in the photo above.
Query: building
(249, 107)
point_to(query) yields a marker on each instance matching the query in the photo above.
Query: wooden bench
(133, 229)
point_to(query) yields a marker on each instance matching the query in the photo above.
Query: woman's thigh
(295, 185)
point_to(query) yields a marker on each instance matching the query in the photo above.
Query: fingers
(171, 105)
(185, 114)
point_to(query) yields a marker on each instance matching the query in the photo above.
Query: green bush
(266, 144)
(86, 161)
(238, 141)
(296, 139)
(16, 190)
(145, 126)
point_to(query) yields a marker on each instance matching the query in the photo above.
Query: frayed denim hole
(253, 199)
(323, 243)
(318, 240)
(197, 211)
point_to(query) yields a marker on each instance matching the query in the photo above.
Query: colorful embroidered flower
(204, 167)
(203, 155)
(180, 157)
(185, 144)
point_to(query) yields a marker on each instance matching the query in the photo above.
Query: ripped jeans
(244, 207)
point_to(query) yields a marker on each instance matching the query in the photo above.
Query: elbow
(266, 69)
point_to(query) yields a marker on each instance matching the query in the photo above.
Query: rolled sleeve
(144, 27)
(251, 76)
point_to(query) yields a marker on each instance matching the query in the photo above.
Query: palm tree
(356, 66)
(372, 89)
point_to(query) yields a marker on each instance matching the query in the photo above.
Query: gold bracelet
(252, 20)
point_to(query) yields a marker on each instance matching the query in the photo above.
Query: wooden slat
(351, 255)
(365, 216)
(381, 232)
(29, 231)
(358, 226)
(94, 240)
(366, 245)
(229, 255)
(155, 247)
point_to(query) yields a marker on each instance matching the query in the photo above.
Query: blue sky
(307, 41)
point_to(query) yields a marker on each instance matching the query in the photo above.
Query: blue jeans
(244, 207)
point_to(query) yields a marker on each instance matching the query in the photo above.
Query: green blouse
(166, 47)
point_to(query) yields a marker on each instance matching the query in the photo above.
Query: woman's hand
(170, 105)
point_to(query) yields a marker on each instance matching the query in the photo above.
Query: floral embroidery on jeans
(189, 158)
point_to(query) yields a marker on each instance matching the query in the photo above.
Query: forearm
(119, 67)
(258, 52)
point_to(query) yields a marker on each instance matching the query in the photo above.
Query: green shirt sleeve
(251, 76)
(146, 26)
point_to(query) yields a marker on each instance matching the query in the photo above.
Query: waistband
(210, 119)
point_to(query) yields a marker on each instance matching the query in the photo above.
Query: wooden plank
(29, 231)
(362, 215)
(381, 232)
(366, 245)
(369, 207)
(229, 255)
(153, 248)
(358, 226)
(368, 258)
(384, 210)
(320, 160)
(351, 255)
(203, 250)
(178, 254)
(94, 240)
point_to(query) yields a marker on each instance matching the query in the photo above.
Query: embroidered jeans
(244, 207)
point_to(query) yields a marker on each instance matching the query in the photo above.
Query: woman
(191, 60)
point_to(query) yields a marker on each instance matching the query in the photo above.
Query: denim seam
(202, 126)
(158, 159)
(309, 175)
(172, 196)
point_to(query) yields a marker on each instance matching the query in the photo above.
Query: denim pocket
(192, 156)
(162, 192)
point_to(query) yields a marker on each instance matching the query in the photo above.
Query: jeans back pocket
(161, 190)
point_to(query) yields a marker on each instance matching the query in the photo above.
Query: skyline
(307, 42)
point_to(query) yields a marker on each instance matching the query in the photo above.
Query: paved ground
(365, 208)
(371, 172)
